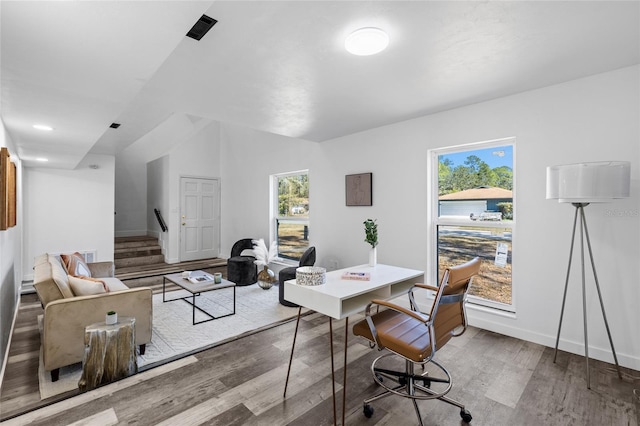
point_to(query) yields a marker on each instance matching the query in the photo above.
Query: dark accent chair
(240, 269)
(308, 258)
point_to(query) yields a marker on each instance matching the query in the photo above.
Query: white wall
(250, 157)
(197, 156)
(157, 197)
(69, 210)
(10, 258)
(189, 146)
(590, 119)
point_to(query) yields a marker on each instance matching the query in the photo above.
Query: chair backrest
(308, 258)
(448, 311)
(240, 246)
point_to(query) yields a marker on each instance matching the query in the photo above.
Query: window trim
(433, 220)
(273, 211)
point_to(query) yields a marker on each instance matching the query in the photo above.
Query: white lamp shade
(597, 182)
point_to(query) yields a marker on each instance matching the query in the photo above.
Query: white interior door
(200, 218)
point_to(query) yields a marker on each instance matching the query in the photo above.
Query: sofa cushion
(76, 265)
(86, 286)
(114, 284)
(60, 277)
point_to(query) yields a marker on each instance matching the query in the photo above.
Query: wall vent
(201, 27)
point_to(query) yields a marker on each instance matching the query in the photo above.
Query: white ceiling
(281, 67)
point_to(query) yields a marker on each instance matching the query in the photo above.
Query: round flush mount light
(42, 160)
(43, 127)
(366, 41)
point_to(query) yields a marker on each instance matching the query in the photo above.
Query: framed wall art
(358, 189)
(7, 191)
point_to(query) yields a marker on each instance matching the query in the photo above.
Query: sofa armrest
(65, 320)
(102, 269)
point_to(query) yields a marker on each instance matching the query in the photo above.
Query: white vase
(111, 319)
(373, 257)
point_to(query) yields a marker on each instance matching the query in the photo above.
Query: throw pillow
(75, 265)
(86, 286)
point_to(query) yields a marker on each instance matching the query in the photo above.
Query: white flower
(263, 255)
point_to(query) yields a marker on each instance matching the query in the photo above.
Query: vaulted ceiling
(281, 66)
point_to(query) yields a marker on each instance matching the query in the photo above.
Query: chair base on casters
(405, 384)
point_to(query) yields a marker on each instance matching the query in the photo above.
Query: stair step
(137, 241)
(140, 260)
(151, 270)
(136, 251)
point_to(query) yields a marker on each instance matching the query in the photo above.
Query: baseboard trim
(5, 360)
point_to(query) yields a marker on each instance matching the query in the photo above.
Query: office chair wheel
(466, 415)
(368, 411)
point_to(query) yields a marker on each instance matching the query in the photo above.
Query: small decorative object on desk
(311, 275)
(358, 276)
(264, 256)
(371, 237)
(217, 277)
(111, 318)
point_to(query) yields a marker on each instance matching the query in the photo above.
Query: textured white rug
(174, 336)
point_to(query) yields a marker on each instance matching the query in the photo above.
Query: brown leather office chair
(416, 337)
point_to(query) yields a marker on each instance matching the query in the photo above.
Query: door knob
(183, 223)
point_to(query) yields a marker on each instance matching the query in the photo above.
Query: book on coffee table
(203, 278)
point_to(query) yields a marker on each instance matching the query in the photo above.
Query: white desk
(339, 298)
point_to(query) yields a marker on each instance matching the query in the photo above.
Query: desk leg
(333, 379)
(344, 381)
(286, 383)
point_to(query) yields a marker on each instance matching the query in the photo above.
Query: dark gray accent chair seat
(308, 258)
(240, 269)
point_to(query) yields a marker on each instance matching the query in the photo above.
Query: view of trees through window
(475, 218)
(292, 215)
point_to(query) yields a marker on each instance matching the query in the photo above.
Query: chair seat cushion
(399, 333)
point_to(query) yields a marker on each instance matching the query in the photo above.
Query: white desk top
(340, 298)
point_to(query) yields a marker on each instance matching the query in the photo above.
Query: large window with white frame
(472, 213)
(290, 213)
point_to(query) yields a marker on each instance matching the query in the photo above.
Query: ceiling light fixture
(42, 160)
(43, 127)
(366, 41)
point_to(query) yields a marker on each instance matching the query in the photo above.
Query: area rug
(174, 336)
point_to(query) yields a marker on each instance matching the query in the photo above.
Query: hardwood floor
(502, 381)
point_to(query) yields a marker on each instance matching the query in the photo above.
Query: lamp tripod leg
(566, 284)
(584, 298)
(595, 276)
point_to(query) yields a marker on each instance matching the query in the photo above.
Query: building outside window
(291, 213)
(472, 214)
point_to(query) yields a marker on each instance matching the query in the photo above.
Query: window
(291, 213)
(472, 214)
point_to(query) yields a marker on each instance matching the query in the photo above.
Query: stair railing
(160, 220)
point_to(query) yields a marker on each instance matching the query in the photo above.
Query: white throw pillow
(86, 287)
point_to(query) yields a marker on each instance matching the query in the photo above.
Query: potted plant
(111, 318)
(371, 237)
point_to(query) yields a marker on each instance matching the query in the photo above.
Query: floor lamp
(582, 184)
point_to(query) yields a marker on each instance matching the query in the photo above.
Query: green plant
(371, 232)
(111, 313)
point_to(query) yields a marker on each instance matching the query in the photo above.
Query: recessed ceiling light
(43, 127)
(366, 41)
(42, 160)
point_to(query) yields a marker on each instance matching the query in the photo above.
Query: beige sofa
(66, 315)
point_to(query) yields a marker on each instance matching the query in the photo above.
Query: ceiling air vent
(201, 27)
(114, 125)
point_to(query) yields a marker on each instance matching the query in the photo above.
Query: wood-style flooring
(502, 381)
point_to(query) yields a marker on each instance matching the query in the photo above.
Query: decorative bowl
(311, 275)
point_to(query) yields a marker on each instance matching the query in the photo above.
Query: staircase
(139, 262)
